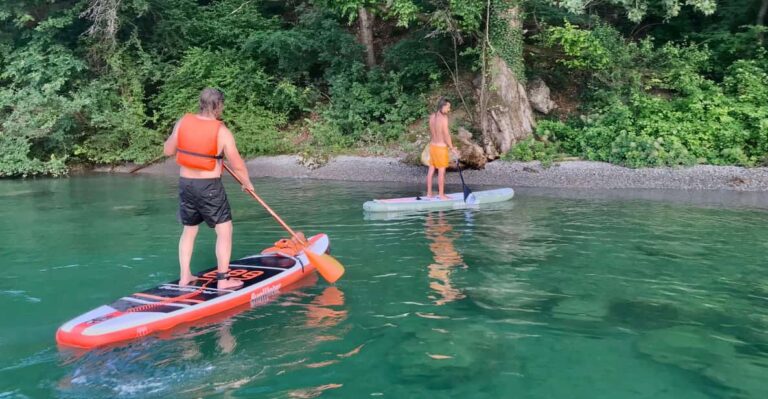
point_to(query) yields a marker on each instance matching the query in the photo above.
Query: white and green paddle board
(455, 201)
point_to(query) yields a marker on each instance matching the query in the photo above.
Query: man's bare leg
(186, 246)
(430, 174)
(223, 253)
(441, 183)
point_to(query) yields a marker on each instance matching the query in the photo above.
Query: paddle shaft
(264, 204)
(326, 265)
(461, 176)
(152, 162)
(464, 187)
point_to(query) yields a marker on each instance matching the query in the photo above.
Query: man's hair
(211, 99)
(441, 103)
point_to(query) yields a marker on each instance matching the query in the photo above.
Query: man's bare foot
(429, 194)
(187, 280)
(229, 284)
(445, 197)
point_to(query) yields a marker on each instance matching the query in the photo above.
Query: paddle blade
(467, 191)
(469, 198)
(327, 265)
(468, 195)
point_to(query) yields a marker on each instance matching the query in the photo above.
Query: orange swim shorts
(438, 156)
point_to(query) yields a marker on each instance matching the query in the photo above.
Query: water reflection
(445, 256)
(320, 312)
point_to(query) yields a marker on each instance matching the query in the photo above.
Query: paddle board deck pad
(168, 305)
(455, 201)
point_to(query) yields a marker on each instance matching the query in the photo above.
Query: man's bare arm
(233, 156)
(170, 145)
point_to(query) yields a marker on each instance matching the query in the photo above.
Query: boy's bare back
(438, 127)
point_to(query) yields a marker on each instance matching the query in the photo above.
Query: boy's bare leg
(441, 183)
(430, 174)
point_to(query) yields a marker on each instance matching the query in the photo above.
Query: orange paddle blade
(327, 265)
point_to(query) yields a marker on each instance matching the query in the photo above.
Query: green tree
(365, 13)
(637, 9)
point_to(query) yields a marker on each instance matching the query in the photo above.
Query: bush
(670, 112)
(647, 130)
(317, 47)
(417, 62)
(327, 134)
(40, 108)
(53, 111)
(375, 107)
(601, 54)
(118, 127)
(15, 160)
(531, 149)
(254, 110)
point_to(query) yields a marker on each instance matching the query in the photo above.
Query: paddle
(467, 191)
(152, 162)
(327, 265)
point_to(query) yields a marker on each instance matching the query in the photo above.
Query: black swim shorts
(203, 200)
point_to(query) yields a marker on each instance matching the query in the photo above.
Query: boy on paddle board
(439, 145)
(200, 142)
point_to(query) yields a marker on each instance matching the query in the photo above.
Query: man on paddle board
(200, 142)
(439, 145)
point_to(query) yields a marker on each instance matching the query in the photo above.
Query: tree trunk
(366, 35)
(103, 14)
(507, 116)
(483, 105)
(761, 13)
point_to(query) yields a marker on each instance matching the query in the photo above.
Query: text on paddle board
(263, 296)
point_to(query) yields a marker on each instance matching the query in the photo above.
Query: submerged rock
(643, 315)
(447, 358)
(580, 309)
(714, 356)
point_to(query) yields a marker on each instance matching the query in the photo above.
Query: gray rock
(538, 95)
(509, 116)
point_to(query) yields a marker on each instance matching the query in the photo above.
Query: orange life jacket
(198, 143)
(285, 247)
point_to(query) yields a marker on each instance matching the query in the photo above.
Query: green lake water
(550, 295)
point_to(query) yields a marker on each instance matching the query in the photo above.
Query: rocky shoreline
(572, 174)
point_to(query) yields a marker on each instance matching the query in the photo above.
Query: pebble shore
(572, 174)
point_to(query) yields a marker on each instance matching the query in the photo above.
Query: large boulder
(470, 153)
(538, 95)
(508, 117)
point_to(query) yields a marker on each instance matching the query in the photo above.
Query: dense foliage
(650, 104)
(654, 82)
(69, 95)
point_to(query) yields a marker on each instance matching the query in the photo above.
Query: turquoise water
(547, 296)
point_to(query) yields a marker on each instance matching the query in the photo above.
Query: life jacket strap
(197, 154)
